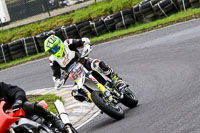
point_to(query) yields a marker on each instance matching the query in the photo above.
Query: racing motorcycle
(101, 91)
(14, 121)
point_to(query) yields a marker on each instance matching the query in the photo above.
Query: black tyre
(187, 5)
(195, 5)
(116, 15)
(145, 5)
(86, 32)
(128, 16)
(103, 32)
(82, 24)
(180, 2)
(193, 1)
(109, 21)
(74, 130)
(98, 99)
(85, 28)
(146, 10)
(98, 21)
(117, 20)
(101, 27)
(127, 11)
(129, 99)
(89, 35)
(69, 28)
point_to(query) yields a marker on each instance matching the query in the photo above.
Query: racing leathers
(70, 55)
(15, 97)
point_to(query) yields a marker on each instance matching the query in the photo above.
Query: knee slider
(103, 66)
(100, 67)
(95, 65)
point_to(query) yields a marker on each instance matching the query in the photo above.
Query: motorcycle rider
(63, 54)
(15, 98)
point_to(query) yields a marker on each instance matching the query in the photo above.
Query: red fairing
(44, 104)
(8, 119)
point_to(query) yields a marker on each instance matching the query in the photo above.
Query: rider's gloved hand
(59, 83)
(85, 41)
(17, 104)
(86, 47)
(86, 50)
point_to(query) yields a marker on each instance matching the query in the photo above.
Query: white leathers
(68, 56)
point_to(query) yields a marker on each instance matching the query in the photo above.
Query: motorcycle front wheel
(73, 130)
(99, 100)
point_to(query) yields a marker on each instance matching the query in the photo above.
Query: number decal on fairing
(76, 73)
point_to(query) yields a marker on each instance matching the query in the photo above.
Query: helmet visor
(54, 50)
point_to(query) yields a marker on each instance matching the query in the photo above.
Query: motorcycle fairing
(44, 104)
(24, 122)
(8, 119)
(78, 75)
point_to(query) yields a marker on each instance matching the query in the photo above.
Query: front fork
(105, 91)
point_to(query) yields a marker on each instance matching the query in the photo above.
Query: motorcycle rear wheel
(129, 99)
(97, 98)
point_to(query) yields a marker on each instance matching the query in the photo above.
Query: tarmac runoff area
(79, 112)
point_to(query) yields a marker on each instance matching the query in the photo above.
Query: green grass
(91, 12)
(142, 26)
(21, 60)
(133, 29)
(50, 99)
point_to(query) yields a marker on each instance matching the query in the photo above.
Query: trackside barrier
(109, 25)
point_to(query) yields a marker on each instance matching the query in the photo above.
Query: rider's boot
(102, 67)
(116, 80)
(80, 94)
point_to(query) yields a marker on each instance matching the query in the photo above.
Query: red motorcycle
(14, 121)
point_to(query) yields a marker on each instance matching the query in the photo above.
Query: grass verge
(91, 12)
(49, 98)
(22, 60)
(132, 30)
(140, 28)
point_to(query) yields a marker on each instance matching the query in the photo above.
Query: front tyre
(129, 99)
(99, 100)
(73, 130)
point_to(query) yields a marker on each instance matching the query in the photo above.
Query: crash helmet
(54, 46)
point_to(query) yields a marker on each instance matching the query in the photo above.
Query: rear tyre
(129, 99)
(100, 102)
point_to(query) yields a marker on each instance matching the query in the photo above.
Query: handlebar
(13, 110)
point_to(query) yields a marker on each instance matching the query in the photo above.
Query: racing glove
(59, 83)
(17, 104)
(85, 41)
(86, 47)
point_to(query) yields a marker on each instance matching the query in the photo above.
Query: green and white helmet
(54, 45)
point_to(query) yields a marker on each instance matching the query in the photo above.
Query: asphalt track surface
(162, 68)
